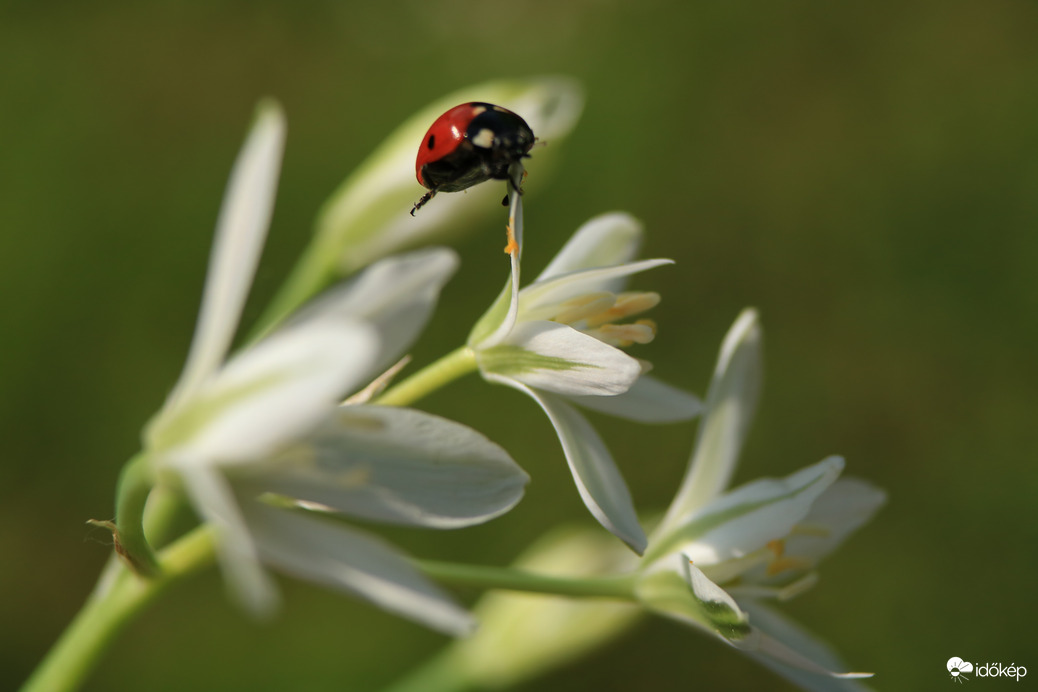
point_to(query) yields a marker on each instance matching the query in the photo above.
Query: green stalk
(618, 587)
(450, 367)
(108, 611)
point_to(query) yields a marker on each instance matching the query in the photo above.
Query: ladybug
(469, 144)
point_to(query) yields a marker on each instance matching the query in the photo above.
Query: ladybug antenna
(421, 203)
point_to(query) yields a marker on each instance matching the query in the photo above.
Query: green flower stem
(511, 579)
(135, 483)
(455, 364)
(110, 609)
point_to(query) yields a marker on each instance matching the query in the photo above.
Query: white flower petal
(603, 241)
(557, 358)
(267, 394)
(720, 608)
(679, 590)
(330, 553)
(497, 320)
(515, 225)
(649, 400)
(215, 503)
(730, 405)
(747, 518)
(843, 508)
(598, 479)
(794, 653)
(397, 465)
(240, 232)
(560, 288)
(396, 296)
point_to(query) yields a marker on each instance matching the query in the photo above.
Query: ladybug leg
(516, 176)
(504, 202)
(420, 203)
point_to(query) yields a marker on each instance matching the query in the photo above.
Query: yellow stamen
(651, 324)
(784, 564)
(512, 246)
(627, 304)
(634, 303)
(583, 307)
(624, 335)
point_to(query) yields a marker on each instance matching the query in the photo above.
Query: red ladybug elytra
(469, 144)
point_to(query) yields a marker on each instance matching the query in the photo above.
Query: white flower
(762, 540)
(265, 451)
(562, 345)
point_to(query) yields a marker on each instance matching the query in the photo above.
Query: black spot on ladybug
(477, 142)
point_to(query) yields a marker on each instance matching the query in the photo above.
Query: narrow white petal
(563, 287)
(498, 320)
(597, 477)
(603, 241)
(330, 553)
(397, 465)
(396, 295)
(798, 655)
(557, 358)
(747, 518)
(485, 334)
(649, 400)
(269, 393)
(679, 590)
(838, 512)
(240, 232)
(212, 498)
(730, 405)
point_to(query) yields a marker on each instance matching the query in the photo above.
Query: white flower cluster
(275, 454)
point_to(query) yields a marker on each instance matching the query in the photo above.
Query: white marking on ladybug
(477, 110)
(484, 139)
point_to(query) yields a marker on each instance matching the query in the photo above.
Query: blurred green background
(865, 174)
